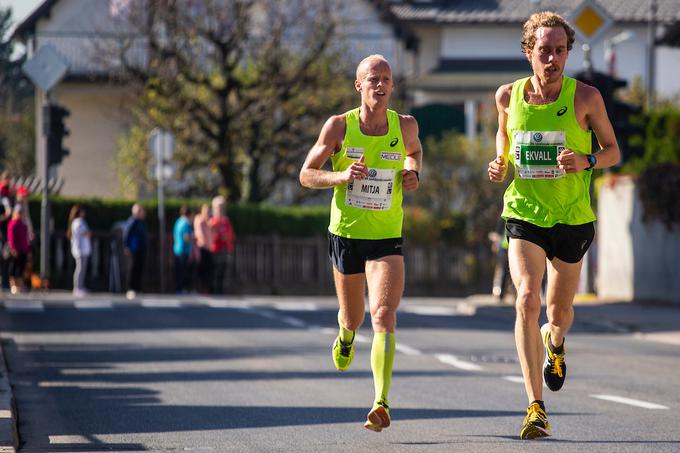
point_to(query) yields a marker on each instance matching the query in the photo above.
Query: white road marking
(661, 337)
(24, 305)
(69, 440)
(456, 362)
(93, 304)
(161, 303)
(296, 306)
(5, 413)
(430, 310)
(362, 339)
(515, 379)
(215, 303)
(295, 322)
(629, 401)
(408, 350)
(519, 380)
(258, 311)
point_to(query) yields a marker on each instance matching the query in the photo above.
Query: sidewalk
(652, 322)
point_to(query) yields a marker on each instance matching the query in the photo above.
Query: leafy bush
(248, 219)
(658, 168)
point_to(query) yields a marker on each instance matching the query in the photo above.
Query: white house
(450, 54)
(99, 105)
(469, 48)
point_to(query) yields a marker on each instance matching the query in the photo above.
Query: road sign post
(45, 68)
(162, 145)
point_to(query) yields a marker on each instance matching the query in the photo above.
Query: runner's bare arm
(591, 112)
(329, 141)
(414, 152)
(609, 153)
(499, 166)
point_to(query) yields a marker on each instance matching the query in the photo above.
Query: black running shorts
(566, 242)
(349, 256)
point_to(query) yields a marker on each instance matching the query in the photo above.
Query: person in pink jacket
(19, 241)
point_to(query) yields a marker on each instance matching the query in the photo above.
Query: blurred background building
(450, 57)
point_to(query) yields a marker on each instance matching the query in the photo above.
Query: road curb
(9, 436)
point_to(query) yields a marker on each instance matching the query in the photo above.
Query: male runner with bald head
(375, 154)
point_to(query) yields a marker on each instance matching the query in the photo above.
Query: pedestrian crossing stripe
(93, 304)
(24, 305)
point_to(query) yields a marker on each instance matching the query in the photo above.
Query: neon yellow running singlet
(369, 208)
(541, 193)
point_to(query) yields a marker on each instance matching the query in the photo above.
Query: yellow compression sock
(382, 359)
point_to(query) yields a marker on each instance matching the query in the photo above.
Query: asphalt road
(255, 375)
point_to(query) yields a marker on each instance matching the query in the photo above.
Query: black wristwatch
(592, 160)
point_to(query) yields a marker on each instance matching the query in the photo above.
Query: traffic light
(626, 118)
(56, 131)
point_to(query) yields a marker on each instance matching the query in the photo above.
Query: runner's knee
(560, 316)
(383, 318)
(528, 304)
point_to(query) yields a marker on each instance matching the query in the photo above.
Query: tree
(241, 83)
(455, 184)
(16, 108)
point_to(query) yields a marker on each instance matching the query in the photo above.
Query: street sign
(162, 145)
(46, 67)
(591, 21)
(165, 171)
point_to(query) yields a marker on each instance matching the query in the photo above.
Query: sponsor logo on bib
(393, 156)
(538, 137)
(354, 153)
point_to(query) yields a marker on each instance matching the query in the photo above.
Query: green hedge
(248, 219)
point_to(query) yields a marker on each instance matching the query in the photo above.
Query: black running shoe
(554, 367)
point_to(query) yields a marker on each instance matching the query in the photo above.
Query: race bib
(373, 193)
(535, 154)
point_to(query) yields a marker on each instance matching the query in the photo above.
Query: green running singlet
(540, 192)
(369, 208)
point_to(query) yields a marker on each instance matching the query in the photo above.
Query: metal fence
(279, 265)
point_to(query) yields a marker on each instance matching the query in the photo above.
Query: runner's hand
(497, 169)
(409, 180)
(571, 162)
(358, 170)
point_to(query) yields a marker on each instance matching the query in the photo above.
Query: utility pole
(651, 55)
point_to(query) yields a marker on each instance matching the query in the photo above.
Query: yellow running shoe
(378, 418)
(342, 354)
(535, 423)
(554, 367)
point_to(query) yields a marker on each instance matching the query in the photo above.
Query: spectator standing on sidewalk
(222, 243)
(19, 241)
(81, 247)
(5, 217)
(183, 238)
(5, 254)
(501, 275)
(135, 241)
(203, 241)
